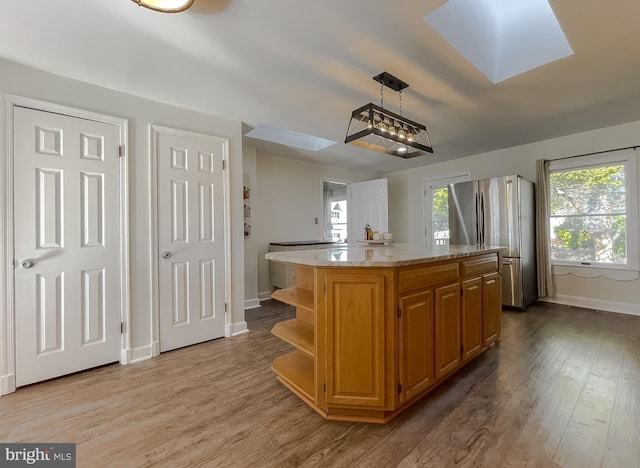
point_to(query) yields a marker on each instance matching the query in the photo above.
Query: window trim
(628, 158)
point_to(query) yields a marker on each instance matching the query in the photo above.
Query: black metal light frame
(364, 131)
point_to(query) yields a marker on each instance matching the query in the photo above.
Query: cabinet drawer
(418, 278)
(479, 265)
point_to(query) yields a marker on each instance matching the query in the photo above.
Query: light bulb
(365, 120)
(402, 134)
(402, 149)
(383, 126)
(392, 128)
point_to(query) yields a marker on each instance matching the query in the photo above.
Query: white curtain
(543, 241)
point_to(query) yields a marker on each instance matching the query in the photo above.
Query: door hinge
(399, 312)
(399, 388)
(120, 151)
(121, 327)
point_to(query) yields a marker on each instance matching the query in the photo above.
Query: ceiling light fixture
(165, 6)
(374, 128)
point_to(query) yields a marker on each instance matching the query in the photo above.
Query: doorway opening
(334, 209)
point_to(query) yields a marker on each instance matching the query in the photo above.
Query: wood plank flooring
(562, 389)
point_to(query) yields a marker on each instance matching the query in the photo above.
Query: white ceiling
(304, 66)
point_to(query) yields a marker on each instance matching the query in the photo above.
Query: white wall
(290, 198)
(406, 208)
(28, 82)
(250, 177)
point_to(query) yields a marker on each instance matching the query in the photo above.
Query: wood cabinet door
(416, 344)
(447, 329)
(492, 307)
(472, 334)
(355, 338)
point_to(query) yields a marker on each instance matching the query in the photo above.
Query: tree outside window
(589, 215)
(440, 216)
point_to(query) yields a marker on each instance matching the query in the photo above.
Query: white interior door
(67, 244)
(191, 240)
(366, 204)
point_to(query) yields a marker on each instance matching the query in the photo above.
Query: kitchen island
(378, 327)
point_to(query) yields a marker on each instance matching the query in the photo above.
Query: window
(335, 211)
(440, 216)
(593, 219)
(338, 220)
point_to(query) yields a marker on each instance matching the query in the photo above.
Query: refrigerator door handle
(482, 218)
(477, 220)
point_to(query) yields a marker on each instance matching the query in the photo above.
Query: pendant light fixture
(165, 6)
(375, 128)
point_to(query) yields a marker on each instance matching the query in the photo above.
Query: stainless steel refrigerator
(499, 212)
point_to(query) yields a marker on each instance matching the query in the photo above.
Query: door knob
(26, 264)
(166, 254)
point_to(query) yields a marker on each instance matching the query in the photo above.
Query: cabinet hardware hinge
(120, 151)
(399, 388)
(324, 287)
(226, 307)
(399, 312)
(324, 387)
(121, 327)
(224, 164)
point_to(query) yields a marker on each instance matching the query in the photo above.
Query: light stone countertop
(392, 255)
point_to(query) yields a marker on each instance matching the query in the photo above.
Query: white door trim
(154, 130)
(7, 309)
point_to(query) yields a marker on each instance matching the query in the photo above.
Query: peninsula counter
(379, 327)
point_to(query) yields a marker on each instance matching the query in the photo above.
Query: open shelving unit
(296, 370)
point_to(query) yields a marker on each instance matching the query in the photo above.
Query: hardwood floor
(562, 389)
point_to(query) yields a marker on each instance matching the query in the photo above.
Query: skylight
(502, 38)
(289, 138)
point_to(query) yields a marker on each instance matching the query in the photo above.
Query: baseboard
(7, 384)
(125, 356)
(141, 354)
(251, 303)
(234, 329)
(597, 304)
(264, 295)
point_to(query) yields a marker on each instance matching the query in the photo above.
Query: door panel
(463, 213)
(190, 239)
(511, 273)
(447, 329)
(417, 361)
(471, 318)
(67, 243)
(501, 213)
(355, 339)
(366, 204)
(492, 309)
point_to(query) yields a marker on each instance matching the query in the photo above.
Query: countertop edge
(295, 257)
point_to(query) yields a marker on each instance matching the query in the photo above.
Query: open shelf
(297, 333)
(296, 297)
(295, 370)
